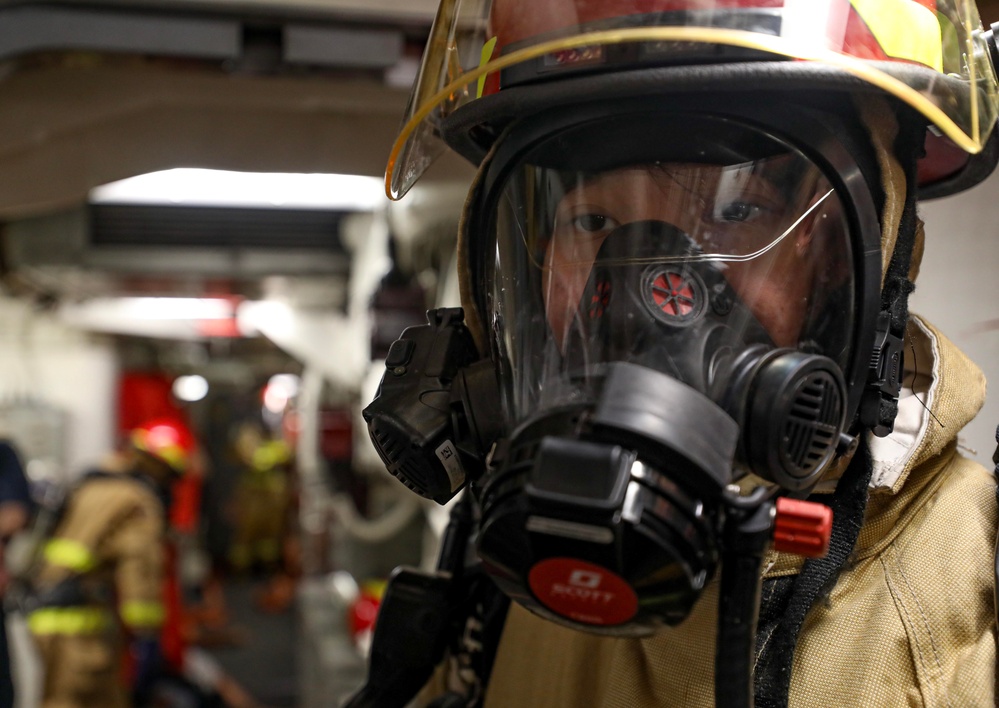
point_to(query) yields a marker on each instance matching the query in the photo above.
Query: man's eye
(737, 212)
(592, 223)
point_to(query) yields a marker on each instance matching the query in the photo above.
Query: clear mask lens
(677, 263)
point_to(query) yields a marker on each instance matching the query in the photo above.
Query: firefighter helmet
(166, 439)
(931, 55)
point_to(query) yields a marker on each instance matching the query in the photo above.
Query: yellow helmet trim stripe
(173, 455)
(737, 38)
(142, 614)
(904, 29)
(487, 53)
(69, 620)
(66, 553)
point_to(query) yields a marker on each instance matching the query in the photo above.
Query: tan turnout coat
(109, 538)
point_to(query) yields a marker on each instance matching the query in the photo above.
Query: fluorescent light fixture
(185, 186)
(273, 319)
(190, 388)
(169, 317)
(175, 308)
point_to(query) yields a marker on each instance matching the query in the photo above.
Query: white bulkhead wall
(46, 363)
(958, 291)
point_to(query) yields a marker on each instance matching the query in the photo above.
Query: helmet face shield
(929, 54)
(681, 262)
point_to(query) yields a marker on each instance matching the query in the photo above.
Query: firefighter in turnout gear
(706, 450)
(99, 587)
(262, 501)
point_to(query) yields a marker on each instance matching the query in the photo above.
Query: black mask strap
(880, 402)
(786, 601)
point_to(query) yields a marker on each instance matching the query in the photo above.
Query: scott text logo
(585, 579)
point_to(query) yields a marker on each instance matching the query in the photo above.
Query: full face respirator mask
(611, 502)
(676, 307)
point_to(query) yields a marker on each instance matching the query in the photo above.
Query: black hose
(415, 621)
(746, 540)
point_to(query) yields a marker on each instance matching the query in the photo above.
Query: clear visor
(478, 47)
(681, 265)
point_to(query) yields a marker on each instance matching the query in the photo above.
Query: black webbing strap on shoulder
(452, 616)
(472, 649)
(786, 601)
(880, 404)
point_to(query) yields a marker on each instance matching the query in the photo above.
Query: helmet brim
(472, 129)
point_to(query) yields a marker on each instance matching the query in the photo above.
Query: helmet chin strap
(892, 134)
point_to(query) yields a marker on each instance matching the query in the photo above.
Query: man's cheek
(753, 289)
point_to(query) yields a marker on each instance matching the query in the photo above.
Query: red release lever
(802, 527)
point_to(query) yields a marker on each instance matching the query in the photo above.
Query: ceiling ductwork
(95, 93)
(90, 94)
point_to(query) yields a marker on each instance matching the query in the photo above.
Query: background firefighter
(103, 568)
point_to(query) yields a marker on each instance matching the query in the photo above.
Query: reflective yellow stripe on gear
(174, 456)
(139, 614)
(487, 53)
(904, 29)
(69, 620)
(69, 554)
(269, 455)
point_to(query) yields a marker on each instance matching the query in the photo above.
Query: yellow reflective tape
(487, 53)
(70, 554)
(904, 29)
(142, 614)
(68, 620)
(375, 588)
(269, 455)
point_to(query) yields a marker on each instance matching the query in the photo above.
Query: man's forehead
(647, 138)
(689, 173)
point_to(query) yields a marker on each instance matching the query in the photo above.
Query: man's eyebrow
(590, 179)
(584, 181)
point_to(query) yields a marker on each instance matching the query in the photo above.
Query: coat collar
(943, 390)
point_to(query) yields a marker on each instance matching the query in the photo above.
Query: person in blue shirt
(15, 509)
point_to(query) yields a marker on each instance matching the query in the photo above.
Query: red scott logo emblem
(583, 592)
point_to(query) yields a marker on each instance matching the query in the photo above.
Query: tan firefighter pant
(81, 671)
